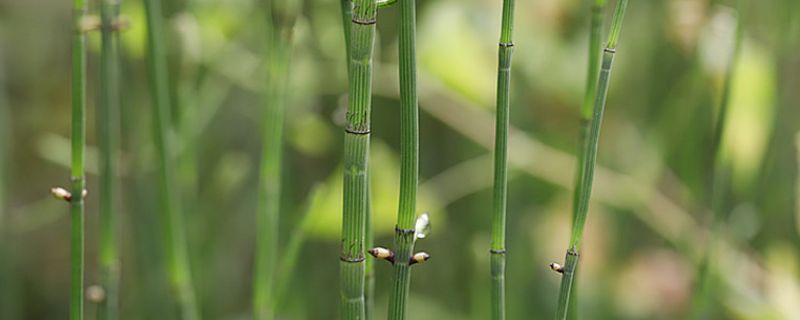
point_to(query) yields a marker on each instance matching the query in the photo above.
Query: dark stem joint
(610, 50)
(573, 252)
(358, 132)
(497, 251)
(404, 231)
(506, 44)
(353, 259)
(364, 22)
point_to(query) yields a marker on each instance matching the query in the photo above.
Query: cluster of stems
(588, 158)
(78, 175)
(279, 21)
(108, 123)
(719, 180)
(172, 219)
(361, 38)
(498, 245)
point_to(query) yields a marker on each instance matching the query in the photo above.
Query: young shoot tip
(382, 253)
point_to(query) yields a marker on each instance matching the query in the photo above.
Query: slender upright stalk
(108, 123)
(172, 218)
(78, 176)
(279, 18)
(498, 247)
(588, 161)
(356, 159)
(719, 180)
(595, 43)
(409, 161)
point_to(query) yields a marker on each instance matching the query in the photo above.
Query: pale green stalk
(172, 220)
(498, 246)
(78, 176)
(108, 124)
(356, 159)
(279, 18)
(719, 181)
(589, 159)
(409, 162)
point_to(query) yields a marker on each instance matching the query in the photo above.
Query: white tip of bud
(557, 267)
(61, 193)
(84, 193)
(423, 226)
(419, 257)
(95, 294)
(381, 253)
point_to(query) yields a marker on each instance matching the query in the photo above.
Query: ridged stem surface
(589, 158)
(175, 246)
(108, 124)
(409, 161)
(500, 191)
(78, 175)
(356, 160)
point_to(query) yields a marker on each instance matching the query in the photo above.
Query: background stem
(108, 124)
(172, 218)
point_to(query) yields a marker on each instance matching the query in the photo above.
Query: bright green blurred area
(650, 213)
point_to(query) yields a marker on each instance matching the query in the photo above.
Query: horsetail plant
(78, 176)
(589, 158)
(179, 272)
(279, 22)
(498, 245)
(405, 234)
(719, 178)
(356, 159)
(595, 31)
(108, 136)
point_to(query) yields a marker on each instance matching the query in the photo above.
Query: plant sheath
(589, 158)
(108, 124)
(78, 175)
(172, 219)
(356, 159)
(409, 161)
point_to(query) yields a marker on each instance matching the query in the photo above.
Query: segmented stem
(356, 159)
(78, 155)
(589, 158)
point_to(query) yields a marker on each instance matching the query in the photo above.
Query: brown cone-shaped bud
(557, 267)
(61, 194)
(419, 257)
(382, 253)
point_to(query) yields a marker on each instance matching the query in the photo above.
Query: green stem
(356, 159)
(500, 197)
(279, 20)
(595, 43)
(719, 181)
(108, 136)
(588, 160)
(409, 161)
(172, 219)
(78, 156)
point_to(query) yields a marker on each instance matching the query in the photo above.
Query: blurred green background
(650, 211)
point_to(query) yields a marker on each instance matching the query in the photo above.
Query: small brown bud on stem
(557, 267)
(382, 253)
(419, 257)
